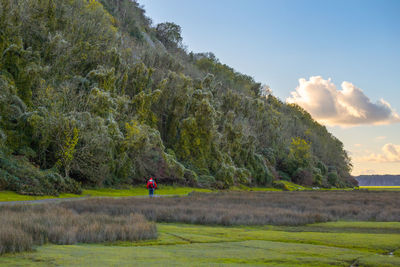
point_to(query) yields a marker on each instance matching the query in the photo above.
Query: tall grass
(254, 208)
(22, 227)
(100, 219)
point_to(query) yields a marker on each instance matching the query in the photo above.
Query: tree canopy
(92, 94)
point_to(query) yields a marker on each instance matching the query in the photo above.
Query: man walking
(151, 185)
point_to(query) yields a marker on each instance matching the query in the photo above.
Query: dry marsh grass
(101, 219)
(254, 208)
(22, 227)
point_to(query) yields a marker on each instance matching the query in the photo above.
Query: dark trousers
(151, 192)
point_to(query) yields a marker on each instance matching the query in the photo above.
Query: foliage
(303, 177)
(169, 34)
(333, 178)
(67, 150)
(24, 178)
(91, 91)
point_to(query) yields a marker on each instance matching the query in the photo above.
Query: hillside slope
(91, 93)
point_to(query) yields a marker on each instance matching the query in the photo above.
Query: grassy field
(141, 191)
(194, 245)
(390, 188)
(355, 228)
(106, 192)
(169, 190)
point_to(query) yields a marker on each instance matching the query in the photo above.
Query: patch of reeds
(22, 227)
(254, 208)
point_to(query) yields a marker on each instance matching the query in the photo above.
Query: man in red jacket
(151, 185)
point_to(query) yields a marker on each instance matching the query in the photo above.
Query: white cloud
(380, 137)
(346, 107)
(390, 153)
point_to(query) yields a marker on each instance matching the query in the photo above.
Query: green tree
(169, 34)
(67, 149)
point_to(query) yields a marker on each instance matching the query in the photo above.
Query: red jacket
(151, 184)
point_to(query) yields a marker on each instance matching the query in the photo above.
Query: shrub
(226, 175)
(317, 177)
(322, 167)
(303, 177)
(242, 176)
(17, 174)
(191, 177)
(206, 181)
(333, 178)
(280, 185)
(284, 176)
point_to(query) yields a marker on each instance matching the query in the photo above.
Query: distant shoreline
(378, 180)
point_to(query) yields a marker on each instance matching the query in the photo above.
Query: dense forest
(93, 94)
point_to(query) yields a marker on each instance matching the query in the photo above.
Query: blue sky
(278, 42)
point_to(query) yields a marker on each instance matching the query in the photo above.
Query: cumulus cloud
(390, 153)
(346, 107)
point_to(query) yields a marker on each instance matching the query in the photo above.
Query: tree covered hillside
(91, 93)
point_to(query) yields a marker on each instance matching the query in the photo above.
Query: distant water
(378, 180)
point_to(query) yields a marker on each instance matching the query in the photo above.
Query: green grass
(378, 243)
(293, 187)
(347, 227)
(289, 185)
(12, 196)
(378, 188)
(106, 192)
(142, 191)
(200, 254)
(359, 225)
(194, 245)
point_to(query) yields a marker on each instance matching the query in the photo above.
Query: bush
(259, 170)
(191, 177)
(242, 176)
(280, 185)
(317, 177)
(303, 177)
(284, 176)
(322, 167)
(226, 175)
(206, 181)
(17, 174)
(333, 178)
